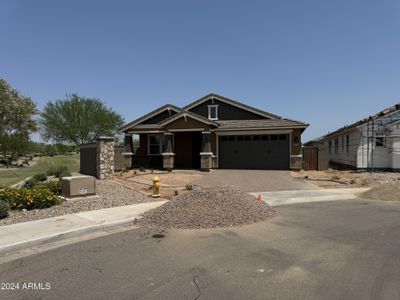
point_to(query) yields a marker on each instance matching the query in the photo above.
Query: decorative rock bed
(110, 194)
(208, 207)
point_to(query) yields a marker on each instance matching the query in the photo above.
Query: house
(215, 132)
(371, 143)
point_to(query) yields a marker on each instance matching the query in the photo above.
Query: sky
(327, 63)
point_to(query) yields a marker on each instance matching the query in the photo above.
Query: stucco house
(371, 143)
(215, 132)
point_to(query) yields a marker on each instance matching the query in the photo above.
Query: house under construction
(371, 143)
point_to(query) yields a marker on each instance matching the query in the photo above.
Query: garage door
(269, 152)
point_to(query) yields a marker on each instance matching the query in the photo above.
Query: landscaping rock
(208, 207)
(110, 194)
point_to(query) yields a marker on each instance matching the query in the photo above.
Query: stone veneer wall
(105, 158)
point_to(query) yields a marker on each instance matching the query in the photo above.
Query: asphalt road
(330, 250)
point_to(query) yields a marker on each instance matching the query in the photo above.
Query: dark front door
(269, 152)
(187, 146)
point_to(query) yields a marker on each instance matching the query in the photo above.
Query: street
(328, 250)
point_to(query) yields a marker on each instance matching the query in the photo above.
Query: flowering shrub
(53, 186)
(37, 197)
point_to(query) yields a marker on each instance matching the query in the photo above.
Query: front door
(187, 150)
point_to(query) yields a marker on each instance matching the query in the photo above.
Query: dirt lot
(335, 178)
(141, 181)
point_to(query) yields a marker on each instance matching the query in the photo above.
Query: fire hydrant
(156, 187)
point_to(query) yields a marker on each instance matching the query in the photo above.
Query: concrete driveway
(255, 180)
(330, 250)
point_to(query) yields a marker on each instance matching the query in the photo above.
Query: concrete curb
(66, 235)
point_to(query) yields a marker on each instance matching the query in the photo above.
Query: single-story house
(215, 132)
(371, 143)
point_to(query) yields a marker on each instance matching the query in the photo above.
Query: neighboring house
(215, 132)
(371, 143)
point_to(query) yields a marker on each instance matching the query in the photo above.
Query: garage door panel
(254, 153)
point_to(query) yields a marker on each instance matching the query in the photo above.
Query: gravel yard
(208, 207)
(347, 178)
(110, 194)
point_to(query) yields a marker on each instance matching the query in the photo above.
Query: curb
(67, 234)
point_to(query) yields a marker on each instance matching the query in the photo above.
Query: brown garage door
(267, 152)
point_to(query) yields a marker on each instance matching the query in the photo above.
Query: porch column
(168, 154)
(206, 154)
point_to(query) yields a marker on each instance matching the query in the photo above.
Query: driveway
(255, 180)
(330, 250)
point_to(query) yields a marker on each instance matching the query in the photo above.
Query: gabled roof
(185, 113)
(231, 102)
(150, 115)
(260, 124)
(364, 121)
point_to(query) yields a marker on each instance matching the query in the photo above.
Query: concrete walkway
(28, 234)
(305, 196)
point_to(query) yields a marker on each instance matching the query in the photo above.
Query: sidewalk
(305, 196)
(28, 234)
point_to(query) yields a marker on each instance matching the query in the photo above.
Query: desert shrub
(30, 183)
(56, 171)
(4, 209)
(40, 177)
(53, 186)
(189, 187)
(64, 173)
(37, 197)
(176, 192)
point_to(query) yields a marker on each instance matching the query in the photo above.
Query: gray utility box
(78, 186)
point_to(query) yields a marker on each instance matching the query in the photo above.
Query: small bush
(64, 174)
(53, 186)
(56, 171)
(4, 209)
(189, 187)
(40, 177)
(30, 183)
(37, 197)
(176, 192)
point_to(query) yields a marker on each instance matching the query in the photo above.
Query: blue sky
(327, 63)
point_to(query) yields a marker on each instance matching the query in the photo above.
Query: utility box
(78, 186)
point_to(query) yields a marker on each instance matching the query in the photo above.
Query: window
(231, 138)
(282, 137)
(264, 137)
(213, 112)
(256, 138)
(347, 144)
(240, 138)
(336, 145)
(330, 147)
(379, 142)
(274, 137)
(154, 144)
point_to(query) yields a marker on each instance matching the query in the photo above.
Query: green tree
(78, 120)
(16, 120)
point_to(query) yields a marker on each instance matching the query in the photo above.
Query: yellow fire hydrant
(156, 187)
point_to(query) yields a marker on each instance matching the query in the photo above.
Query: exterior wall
(225, 111)
(342, 156)
(159, 117)
(97, 159)
(363, 152)
(121, 161)
(141, 157)
(181, 123)
(323, 155)
(88, 159)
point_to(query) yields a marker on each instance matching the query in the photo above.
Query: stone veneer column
(168, 153)
(206, 154)
(105, 157)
